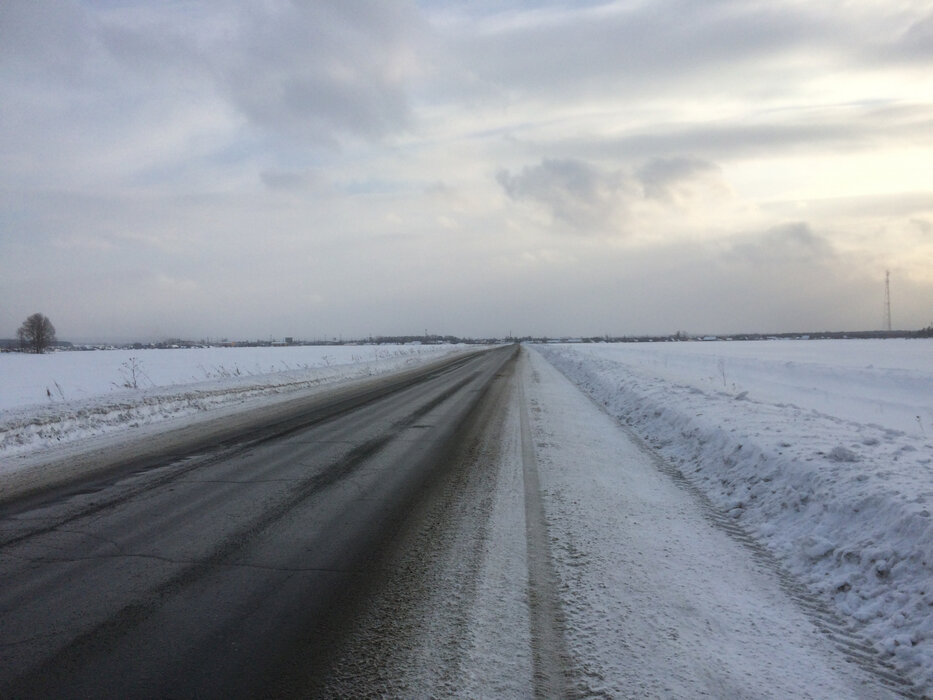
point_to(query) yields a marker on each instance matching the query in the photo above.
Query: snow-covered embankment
(809, 446)
(57, 399)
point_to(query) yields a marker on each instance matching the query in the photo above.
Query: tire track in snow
(551, 660)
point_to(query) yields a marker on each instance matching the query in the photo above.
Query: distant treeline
(681, 336)
(16, 344)
(8, 344)
(177, 343)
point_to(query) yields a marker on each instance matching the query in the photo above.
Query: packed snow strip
(844, 504)
(49, 400)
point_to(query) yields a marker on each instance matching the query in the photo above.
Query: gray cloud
(843, 127)
(575, 192)
(184, 166)
(299, 181)
(43, 40)
(918, 39)
(314, 71)
(914, 45)
(925, 226)
(632, 46)
(673, 179)
(590, 199)
(80, 78)
(711, 49)
(793, 244)
(708, 53)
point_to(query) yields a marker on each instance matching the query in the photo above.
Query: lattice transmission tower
(887, 300)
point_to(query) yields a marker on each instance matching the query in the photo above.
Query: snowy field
(822, 450)
(56, 398)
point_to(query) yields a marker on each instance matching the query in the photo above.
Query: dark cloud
(632, 46)
(843, 127)
(793, 244)
(301, 74)
(673, 179)
(591, 199)
(918, 39)
(914, 45)
(712, 49)
(575, 192)
(282, 180)
(318, 71)
(45, 40)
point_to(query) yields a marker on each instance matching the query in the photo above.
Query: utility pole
(887, 300)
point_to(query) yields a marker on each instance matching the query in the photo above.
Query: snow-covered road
(565, 561)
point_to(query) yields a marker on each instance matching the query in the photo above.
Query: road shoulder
(657, 600)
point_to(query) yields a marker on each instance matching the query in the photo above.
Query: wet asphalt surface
(227, 569)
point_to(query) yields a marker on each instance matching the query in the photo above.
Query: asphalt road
(226, 565)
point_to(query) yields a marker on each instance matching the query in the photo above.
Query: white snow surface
(820, 449)
(561, 561)
(62, 397)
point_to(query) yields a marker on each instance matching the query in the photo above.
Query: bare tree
(36, 333)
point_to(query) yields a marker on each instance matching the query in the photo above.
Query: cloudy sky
(318, 169)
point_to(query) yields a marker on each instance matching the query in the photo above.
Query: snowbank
(48, 400)
(821, 449)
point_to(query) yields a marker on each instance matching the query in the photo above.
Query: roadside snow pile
(52, 399)
(821, 449)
